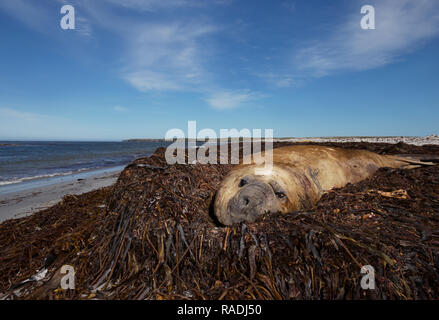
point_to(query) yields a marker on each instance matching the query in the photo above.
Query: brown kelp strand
(153, 236)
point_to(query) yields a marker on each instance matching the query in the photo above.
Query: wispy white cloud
(167, 56)
(83, 26)
(231, 99)
(151, 81)
(401, 27)
(29, 13)
(153, 5)
(278, 79)
(24, 115)
(120, 109)
(163, 54)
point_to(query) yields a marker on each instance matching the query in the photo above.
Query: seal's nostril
(242, 183)
(245, 201)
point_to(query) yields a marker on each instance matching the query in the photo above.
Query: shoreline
(24, 199)
(432, 139)
(417, 141)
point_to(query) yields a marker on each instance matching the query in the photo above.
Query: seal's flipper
(412, 161)
(420, 157)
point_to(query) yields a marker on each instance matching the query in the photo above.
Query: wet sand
(17, 201)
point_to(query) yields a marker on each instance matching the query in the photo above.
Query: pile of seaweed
(153, 236)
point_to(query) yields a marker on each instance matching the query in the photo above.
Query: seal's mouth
(253, 200)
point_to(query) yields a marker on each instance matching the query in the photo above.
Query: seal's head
(244, 195)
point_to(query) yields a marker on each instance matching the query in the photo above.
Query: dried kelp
(153, 236)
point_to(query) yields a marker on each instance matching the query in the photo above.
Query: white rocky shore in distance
(418, 141)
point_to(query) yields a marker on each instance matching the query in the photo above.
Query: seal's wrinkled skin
(300, 175)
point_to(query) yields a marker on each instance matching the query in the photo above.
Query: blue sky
(137, 68)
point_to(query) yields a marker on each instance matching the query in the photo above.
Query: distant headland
(8, 145)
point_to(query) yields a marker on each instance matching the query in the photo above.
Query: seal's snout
(244, 196)
(250, 197)
(250, 202)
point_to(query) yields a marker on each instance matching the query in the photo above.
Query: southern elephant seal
(300, 176)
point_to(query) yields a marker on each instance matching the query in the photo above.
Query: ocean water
(26, 161)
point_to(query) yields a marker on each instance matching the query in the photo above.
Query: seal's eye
(280, 195)
(242, 183)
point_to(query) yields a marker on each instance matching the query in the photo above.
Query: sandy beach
(17, 201)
